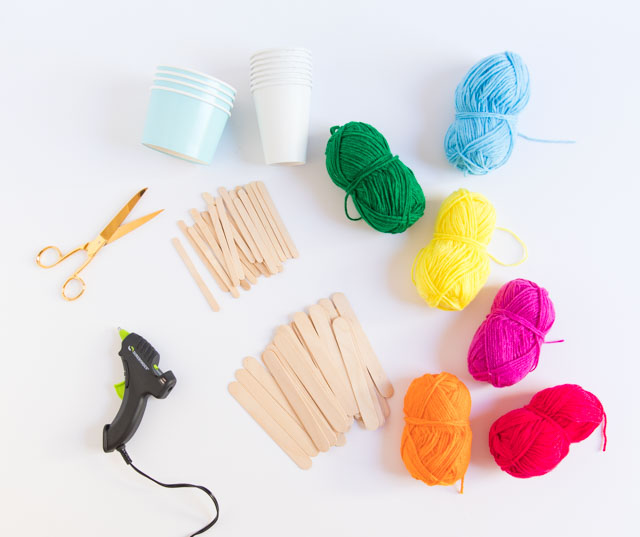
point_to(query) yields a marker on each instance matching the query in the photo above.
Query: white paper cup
(296, 60)
(280, 76)
(280, 52)
(283, 119)
(288, 82)
(281, 70)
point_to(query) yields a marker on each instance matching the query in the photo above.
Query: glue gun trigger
(120, 389)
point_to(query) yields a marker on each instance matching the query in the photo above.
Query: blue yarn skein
(488, 101)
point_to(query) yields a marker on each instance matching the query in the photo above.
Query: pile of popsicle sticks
(321, 372)
(239, 237)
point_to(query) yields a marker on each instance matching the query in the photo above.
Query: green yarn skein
(384, 191)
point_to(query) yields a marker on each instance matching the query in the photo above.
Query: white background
(73, 96)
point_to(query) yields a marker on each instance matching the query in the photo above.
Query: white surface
(75, 79)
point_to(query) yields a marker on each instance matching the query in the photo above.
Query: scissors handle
(75, 278)
(60, 258)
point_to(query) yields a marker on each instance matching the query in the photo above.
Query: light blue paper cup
(185, 79)
(199, 76)
(183, 125)
(215, 97)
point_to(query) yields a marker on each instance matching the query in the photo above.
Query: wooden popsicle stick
(217, 276)
(270, 405)
(264, 220)
(272, 223)
(378, 375)
(276, 217)
(208, 236)
(213, 261)
(237, 237)
(268, 383)
(375, 396)
(300, 361)
(228, 234)
(285, 382)
(245, 284)
(268, 252)
(223, 245)
(320, 354)
(345, 337)
(194, 273)
(270, 426)
(242, 228)
(342, 440)
(323, 425)
(322, 325)
(384, 404)
(328, 306)
(262, 269)
(249, 272)
(262, 248)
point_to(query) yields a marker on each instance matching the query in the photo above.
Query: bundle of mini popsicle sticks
(239, 237)
(318, 374)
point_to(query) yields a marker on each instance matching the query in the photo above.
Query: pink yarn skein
(506, 346)
(532, 440)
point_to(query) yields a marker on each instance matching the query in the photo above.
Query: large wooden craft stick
(366, 350)
(270, 426)
(346, 341)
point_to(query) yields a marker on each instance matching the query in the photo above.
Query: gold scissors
(111, 233)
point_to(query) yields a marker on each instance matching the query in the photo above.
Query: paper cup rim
(190, 95)
(281, 69)
(217, 95)
(281, 58)
(194, 71)
(281, 50)
(281, 74)
(211, 85)
(263, 85)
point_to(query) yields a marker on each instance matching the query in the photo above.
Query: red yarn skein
(506, 346)
(532, 440)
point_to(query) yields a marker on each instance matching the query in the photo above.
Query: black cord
(129, 462)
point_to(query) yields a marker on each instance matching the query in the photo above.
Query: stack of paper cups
(188, 112)
(281, 88)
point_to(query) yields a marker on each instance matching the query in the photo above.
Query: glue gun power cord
(129, 462)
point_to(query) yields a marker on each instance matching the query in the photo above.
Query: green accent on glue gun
(123, 333)
(119, 389)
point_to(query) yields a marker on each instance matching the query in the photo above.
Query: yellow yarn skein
(450, 271)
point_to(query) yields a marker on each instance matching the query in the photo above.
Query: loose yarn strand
(544, 141)
(525, 251)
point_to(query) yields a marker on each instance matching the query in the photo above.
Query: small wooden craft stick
(270, 426)
(272, 222)
(262, 248)
(328, 306)
(291, 393)
(268, 383)
(217, 276)
(249, 272)
(228, 234)
(300, 361)
(194, 273)
(266, 223)
(318, 351)
(223, 245)
(242, 228)
(322, 325)
(208, 236)
(237, 237)
(245, 284)
(346, 341)
(277, 219)
(267, 249)
(366, 350)
(270, 405)
(262, 269)
(213, 261)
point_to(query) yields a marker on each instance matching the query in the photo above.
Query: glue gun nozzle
(123, 333)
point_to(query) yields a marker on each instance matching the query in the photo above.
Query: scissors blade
(130, 226)
(112, 226)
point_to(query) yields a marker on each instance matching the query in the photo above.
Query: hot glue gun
(142, 378)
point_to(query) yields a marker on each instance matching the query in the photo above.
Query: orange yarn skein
(436, 441)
